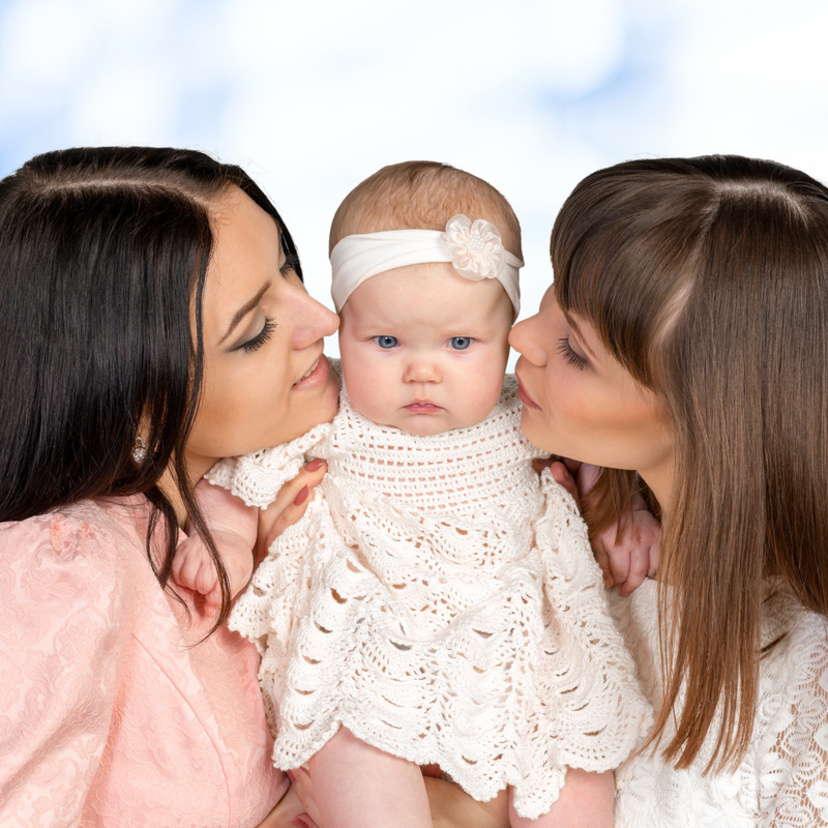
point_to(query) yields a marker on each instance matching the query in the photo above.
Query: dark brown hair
(103, 257)
(707, 278)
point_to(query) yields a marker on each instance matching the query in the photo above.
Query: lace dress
(442, 603)
(783, 779)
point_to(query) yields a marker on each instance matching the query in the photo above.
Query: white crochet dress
(442, 603)
(783, 779)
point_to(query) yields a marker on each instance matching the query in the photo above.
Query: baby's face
(424, 349)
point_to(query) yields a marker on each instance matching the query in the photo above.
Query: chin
(537, 437)
(325, 408)
(426, 429)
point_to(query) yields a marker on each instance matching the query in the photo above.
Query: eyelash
(263, 336)
(291, 262)
(565, 350)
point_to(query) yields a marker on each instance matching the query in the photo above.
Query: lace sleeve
(794, 756)
(59, 644)
(256, 478)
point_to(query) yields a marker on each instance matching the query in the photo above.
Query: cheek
(246, 398)
(491, 382)
(477, 386)
(366, 381)
(571, 414)
(595, 413)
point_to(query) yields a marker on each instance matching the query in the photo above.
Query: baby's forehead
(431, 294)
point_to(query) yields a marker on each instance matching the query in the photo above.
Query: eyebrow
(244, 310)
(576, 328)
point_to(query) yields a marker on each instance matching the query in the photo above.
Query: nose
(312, 321)
(422, 369)
(526, 340)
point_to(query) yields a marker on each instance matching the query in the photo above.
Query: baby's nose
(422, 370)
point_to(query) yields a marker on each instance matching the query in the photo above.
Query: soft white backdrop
(311, 96)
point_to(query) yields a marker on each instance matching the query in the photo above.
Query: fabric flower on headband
(476, 248)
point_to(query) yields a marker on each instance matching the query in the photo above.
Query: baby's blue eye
(460, 343)
(386, 342)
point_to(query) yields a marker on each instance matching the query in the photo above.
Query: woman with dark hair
(153, 320)
(685, 342)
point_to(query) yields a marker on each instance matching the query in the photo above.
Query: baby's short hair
(423, 195)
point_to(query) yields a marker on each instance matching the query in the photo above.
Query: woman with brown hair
(685, 342)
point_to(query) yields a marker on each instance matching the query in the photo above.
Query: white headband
(475, 250)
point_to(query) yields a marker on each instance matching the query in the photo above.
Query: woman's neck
(660, 483)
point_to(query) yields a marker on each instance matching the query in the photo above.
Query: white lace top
(440, 602)
(783, 780)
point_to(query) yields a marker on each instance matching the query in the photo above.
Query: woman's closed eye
(571, 356)
(386, 341)
(263, 336)
(290, 265)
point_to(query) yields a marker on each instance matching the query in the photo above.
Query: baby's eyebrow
(244, 310)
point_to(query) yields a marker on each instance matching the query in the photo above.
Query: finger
(562, 475)
(301, 780)
(587, 476)
(309, 475)
(285, 501)
(654, 560)
(291, 502)
(639, 561)
(617, 554)
(572, 466)
(600, 553)
(619, 563)
(188, 572)
(207, 578)
(212, 600)
(178, 561)
(287, 517)
(287, 811)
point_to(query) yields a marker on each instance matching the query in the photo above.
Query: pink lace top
(108, 715)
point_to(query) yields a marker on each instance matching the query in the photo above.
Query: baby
(438, 602)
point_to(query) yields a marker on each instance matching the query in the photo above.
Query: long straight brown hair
(707, 279)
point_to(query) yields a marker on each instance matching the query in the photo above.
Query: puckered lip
(523, 395)
(315, 375)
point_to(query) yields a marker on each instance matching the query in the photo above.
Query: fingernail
(301, 822)
(301, 497)
(290, 776)
(315, 464)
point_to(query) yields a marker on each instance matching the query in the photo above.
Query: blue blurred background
(310, 97)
